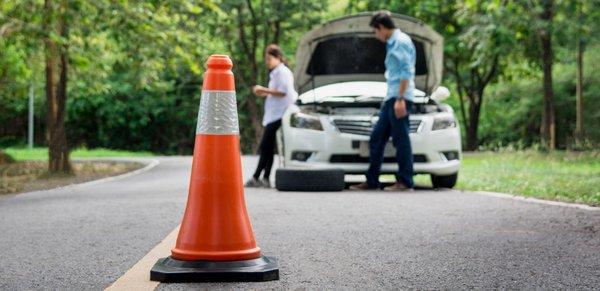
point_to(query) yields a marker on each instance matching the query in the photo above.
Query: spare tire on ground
(309, 180)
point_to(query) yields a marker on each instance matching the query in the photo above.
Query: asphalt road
(85, 237)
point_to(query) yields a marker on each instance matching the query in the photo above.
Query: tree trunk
(5, 158)
(249, 47)
(256, 121)
(56, 90)
(473, 123)
(255, 116)
(548, 127)
(579, 120)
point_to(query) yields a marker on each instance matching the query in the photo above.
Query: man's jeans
(388, 125)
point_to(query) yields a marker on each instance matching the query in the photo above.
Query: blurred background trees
(522, 73)
(248, 28)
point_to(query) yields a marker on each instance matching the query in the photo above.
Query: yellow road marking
(138, 277)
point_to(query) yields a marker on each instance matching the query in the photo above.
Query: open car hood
(345, 49)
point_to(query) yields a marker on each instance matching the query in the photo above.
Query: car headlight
(302, 120)
(443, 123)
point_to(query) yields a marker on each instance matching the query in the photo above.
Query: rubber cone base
(170, 270)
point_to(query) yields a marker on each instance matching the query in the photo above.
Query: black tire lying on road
(444, 181)
(309, 180)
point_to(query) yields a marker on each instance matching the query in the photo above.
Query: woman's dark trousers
(267, 149)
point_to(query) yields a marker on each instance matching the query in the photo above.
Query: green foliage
(136, 66)
(246, 30)
(25, 154)
(511, 114)
(16, 72)
(135, 73)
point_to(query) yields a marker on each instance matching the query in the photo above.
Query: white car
(340, 78)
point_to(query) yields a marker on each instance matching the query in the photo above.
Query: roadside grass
(24, 176)
(561, 175)
(41, 153)
(29, 170)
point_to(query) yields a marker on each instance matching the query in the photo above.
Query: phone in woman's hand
(259, 90)
(256, 90)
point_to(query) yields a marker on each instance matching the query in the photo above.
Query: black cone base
(169, 270)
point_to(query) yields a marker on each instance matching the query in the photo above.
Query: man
(393, 116)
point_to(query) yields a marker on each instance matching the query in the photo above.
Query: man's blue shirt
(400, 60)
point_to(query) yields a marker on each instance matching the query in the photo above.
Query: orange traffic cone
(216, 241)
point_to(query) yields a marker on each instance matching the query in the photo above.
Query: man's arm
(403, 86)
(401, 54)
(400, 106)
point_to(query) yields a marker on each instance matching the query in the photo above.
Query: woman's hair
(275, 51)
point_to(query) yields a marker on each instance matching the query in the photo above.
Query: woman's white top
(280, 79)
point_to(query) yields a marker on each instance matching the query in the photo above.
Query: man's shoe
(253, 183)
(265, 183)
(398, 187)
(362, 186)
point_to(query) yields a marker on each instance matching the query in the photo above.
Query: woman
(279, 95)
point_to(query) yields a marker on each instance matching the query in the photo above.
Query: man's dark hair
(382, 18)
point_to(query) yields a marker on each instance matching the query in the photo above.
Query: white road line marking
(138, 277)
(153, 163)
(534, 200)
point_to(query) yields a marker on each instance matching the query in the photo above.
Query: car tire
(444, 181)
(309, 180)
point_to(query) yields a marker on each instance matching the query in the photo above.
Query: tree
(44, 30)
(17, 65)
(133, 69)
(477, 37)
(548, 127)
(56, 31)
(248, 29)
(5, 158)
(536, 29)
(580, 51)
(475, 56)
(586, 19)
(120, 63)
(151, 56)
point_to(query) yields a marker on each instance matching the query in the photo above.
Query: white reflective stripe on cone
(217, 113)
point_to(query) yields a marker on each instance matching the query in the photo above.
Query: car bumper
(331, 149)
(435, 168)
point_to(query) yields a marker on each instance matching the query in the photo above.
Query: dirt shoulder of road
(25, 176)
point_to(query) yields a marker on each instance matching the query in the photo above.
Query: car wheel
(444, 181)
(309, 180)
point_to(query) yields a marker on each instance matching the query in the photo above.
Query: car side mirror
(440, 94)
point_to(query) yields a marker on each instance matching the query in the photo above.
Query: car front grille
(364, 127)
(351, 158)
